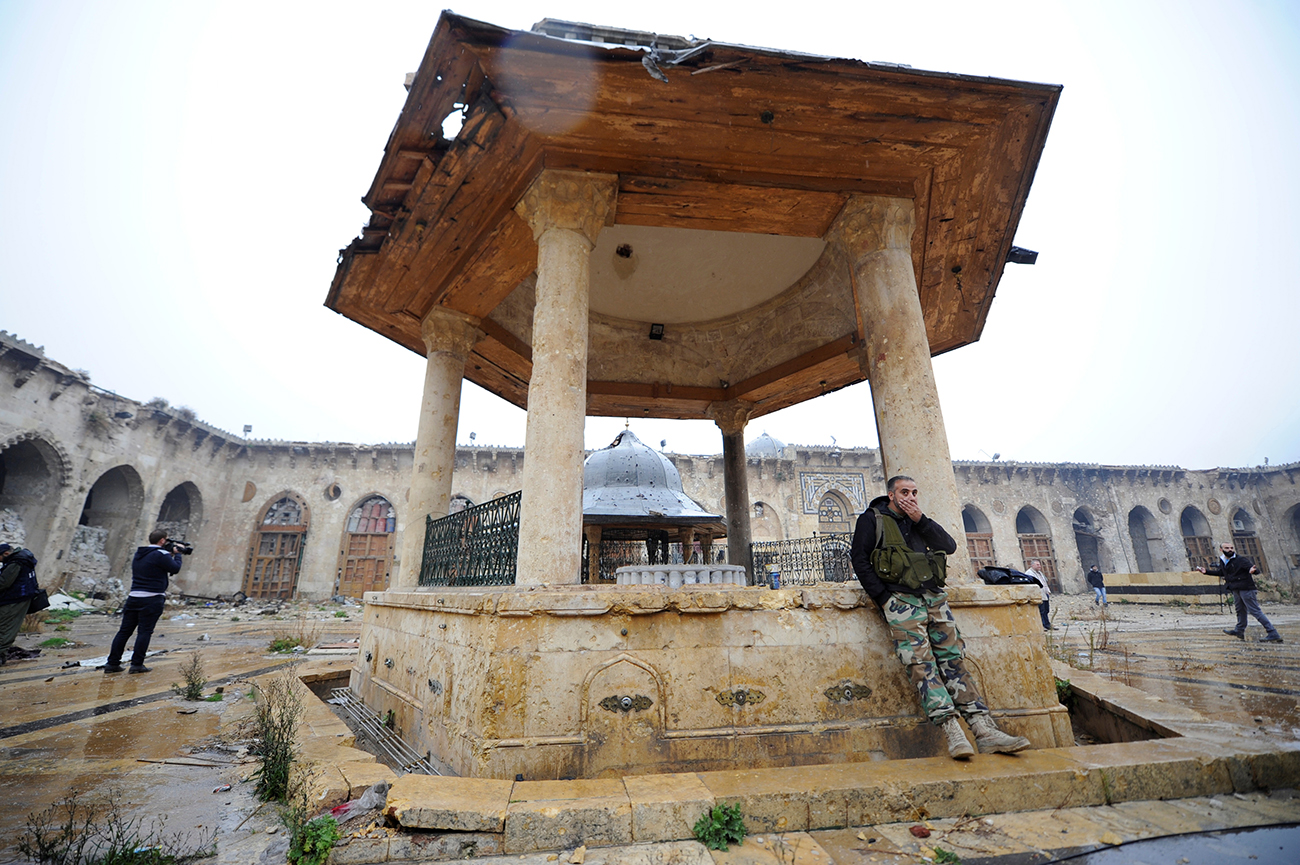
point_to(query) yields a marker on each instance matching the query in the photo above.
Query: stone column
(593, 534)
(876, 233)
(449, 337)
(731, 418)
(566, 211)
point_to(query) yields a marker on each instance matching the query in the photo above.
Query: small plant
(55, 643)
(311, 844)
(301, 634)
(59, 617)
(277, 713)
(340, 614)
(283, 644)
(946, 857)
(186, 413)
(213, 698)
(192, 673)
(99, 421)
(234, 618)
(1065, 693)
(74, 831)
(720, 826)
(63, 628)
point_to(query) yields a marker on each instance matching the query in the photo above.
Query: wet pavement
(77, 729)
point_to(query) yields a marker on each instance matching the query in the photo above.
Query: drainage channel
(385, 740)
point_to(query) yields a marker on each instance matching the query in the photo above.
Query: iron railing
(620, 547)
(804, 561)
(478, 546)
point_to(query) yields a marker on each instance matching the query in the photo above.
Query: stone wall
(62, 439)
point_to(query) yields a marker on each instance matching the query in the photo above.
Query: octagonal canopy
(730, 176)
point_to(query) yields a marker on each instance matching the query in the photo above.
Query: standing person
(1097, 580)
(1236, 572)
(17, 586)
(1045, 608)
(151, 569)
(899, 555)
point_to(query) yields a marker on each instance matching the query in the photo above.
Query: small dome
(630, 479)
(765, 447)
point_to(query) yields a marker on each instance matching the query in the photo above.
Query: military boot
(958, 745)
(991, 740)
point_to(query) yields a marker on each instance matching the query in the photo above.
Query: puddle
(1266, 845)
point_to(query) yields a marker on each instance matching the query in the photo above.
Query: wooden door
(1249, 546)
(273, 571)
(1040, 547)
(367, 564)
(1200, 552)
(980, 547)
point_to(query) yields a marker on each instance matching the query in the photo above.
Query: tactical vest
(896, 562)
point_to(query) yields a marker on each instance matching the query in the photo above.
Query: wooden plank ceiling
(739, 139)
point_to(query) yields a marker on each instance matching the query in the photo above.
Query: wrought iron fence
(620, 547)
(803, 561)
(478, 546)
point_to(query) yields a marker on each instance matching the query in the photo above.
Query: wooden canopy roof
(737, 139)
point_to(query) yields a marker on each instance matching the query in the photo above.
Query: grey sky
(176, 181)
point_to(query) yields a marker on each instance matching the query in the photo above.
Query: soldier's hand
(910, 508)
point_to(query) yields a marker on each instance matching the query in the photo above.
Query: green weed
(720, 826)
(946, 857)
(192, 673)
(56, 643)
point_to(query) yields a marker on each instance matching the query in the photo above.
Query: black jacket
(1096, 579)
(151, 568)
(1235, 573)
(18, 577)
(925, 534)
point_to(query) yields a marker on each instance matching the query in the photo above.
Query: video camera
(185, 548)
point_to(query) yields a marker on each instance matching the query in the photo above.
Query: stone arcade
(690, 230)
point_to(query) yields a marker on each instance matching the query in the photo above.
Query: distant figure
(1097, 580)
(17, 586)
(1236, 572)
(899, 555)
(150, 572)
(1045, 608)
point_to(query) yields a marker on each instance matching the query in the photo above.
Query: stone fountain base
(606, 681)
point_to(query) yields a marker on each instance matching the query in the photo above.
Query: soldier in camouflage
(902, 568)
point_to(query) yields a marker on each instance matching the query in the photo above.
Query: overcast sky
(176, 180)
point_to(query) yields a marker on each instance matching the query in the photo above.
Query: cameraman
(150, 571)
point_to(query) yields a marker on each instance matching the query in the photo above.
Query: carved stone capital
(730, 416)
(869, 223)
(446, 330)
(574, 200)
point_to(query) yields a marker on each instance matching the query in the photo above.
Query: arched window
(275, 555)
(765, 525)
(979, 537)
(181, 513)
(366, 555)
(833, 514)
(30, 477)
(1035, 536)
(1196, 538)
(1246, 541)
(1148, 545)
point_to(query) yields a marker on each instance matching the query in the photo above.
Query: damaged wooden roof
(736, 140)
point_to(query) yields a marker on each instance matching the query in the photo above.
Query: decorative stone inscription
(815, 486)
(639, 703)
(741, 697)
(847, 692)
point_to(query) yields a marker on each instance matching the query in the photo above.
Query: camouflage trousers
(926, 639)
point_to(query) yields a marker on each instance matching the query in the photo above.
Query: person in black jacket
(925, 634)
(1236, 572)
(150, 572)
(1097, 580)
(17, 586)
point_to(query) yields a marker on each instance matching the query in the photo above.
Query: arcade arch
(366, 554)
(1035, 536)
(275, 554)
(113, 505)
(1246, 540)
(979, 537)
(1148, 544)
(31, 473)
(1197, 539)
(181, 512)
(765, 525)
(1088, 539)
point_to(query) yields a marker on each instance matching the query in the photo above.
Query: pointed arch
(1246, 539)
(275, 551)
(1035, 536)
(1197, 539)
(366, 552)
(979, 537)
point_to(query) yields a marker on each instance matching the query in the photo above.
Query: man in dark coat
(1236, 572)
(150, 571)
(17, 586)
(924, 631)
